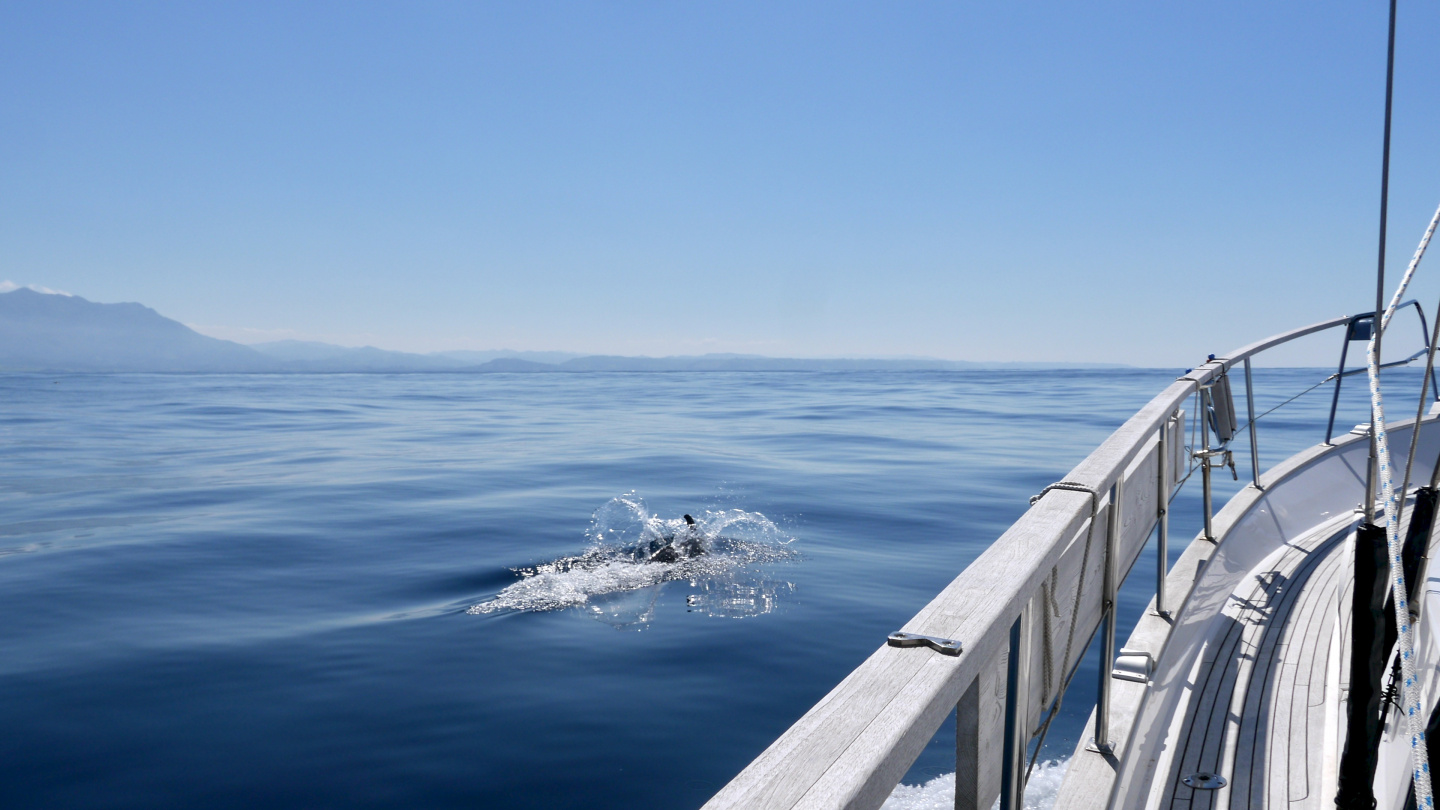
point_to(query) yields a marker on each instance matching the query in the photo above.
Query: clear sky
(1139, 182)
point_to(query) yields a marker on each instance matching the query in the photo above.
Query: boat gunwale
(852, 747)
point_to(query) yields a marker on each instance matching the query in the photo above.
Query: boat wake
(939, 793)
(632, 554)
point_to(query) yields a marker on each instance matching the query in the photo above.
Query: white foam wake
(939, 793)
(616, 580)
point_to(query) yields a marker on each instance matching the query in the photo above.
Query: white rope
(1410, 271)
(1410, 691)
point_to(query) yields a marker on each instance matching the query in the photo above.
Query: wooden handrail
(854, 746)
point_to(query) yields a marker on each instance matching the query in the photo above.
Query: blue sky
(1137, 183)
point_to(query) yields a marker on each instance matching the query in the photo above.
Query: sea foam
(939, 793)
(615, 580)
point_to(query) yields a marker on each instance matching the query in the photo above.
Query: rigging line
(1380, 452)
(1074, 608)
(1246, 426)
(1378, 328)
(1194, 466)
(1410, 269)
(1054, 710)
(1181, 483)
(1248, 423)
(1190, 450)
(1398, 591)
(1429, 361)
(1053, 713)
(1068, 677)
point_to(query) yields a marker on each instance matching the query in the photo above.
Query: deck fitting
(1205, 781)
(1133, 665)
(944, 646)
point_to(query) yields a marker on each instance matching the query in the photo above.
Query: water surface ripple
(306, 591)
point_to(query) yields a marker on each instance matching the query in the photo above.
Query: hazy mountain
(302, 355)
(740, 362)
(515, 364)
(473, 358)
(42, 332)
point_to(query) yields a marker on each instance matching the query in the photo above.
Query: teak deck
(1257, 713)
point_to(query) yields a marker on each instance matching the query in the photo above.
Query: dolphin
(676, 547)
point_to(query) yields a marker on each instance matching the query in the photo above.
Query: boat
(1264, 672)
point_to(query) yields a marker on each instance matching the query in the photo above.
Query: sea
(442, 590)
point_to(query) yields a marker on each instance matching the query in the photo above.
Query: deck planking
(1259, 714)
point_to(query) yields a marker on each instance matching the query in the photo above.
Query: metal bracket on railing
(944, 646)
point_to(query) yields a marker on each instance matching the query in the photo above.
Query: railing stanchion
(1254, 440)
(1017, 733)
(1162, 527)
(1205, 405)
(971, 747)
(1339, 378)
(1101, 743)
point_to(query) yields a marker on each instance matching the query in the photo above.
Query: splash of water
(939, 793)
(736, 600)
(616, 580)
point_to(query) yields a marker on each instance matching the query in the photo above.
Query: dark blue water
(246, 590)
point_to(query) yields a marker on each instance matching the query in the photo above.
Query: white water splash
(615, 579)
(939, 793)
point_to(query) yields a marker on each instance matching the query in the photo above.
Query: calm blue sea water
(332, 590)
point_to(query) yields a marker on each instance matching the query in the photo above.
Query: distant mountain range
(44, 332)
